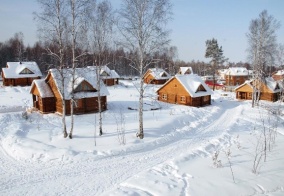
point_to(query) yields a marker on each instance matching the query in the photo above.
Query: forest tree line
(14, 50)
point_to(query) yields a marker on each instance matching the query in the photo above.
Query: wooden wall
(18, 81)
(235, 80)
(176, 94)
(245, 92)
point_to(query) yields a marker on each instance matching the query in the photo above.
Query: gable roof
(159, 73)
(81, 74)
(42, 87)
(15, 70)
(191, 83)
(183, 70)
(269, 82)
(237, 71)
(279, 72)
(111, 73)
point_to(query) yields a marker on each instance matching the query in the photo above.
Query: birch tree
(79, 13)
(215, 52)
(142, 26)
(262, 49)
(52, 28)
(102, 23)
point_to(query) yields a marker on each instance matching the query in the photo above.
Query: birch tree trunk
(52, 29)
(141, 24)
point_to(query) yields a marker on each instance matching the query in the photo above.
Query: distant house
(48, 93)
(20, 73)
(236, 76)
(156, 76)
(185, 70)
(278, 75)
(187, 90)
(269, 90)
(109, 77)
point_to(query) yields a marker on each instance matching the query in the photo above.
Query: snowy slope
(174, 158)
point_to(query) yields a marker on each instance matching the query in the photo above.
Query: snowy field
(174, 158)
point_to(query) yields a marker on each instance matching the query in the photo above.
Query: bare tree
(142, 27)
(262, 48)
(79, 12)
(52, 29)
(102, 32)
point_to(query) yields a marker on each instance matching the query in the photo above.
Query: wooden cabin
(269, 90)
(187, 90)
(185, 70)
(109, 77)
(156, 76)
(48, 94)
(236, 76)
(20, 73)
(278, 75)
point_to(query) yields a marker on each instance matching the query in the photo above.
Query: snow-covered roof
(191, 83)
(237, 71)
(279, 72)
(105, 69)
(183, 70)
(159, 73)
(81, 74)
(21, 69)
(270, 83)
(43, 88)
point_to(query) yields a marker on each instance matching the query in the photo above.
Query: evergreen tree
(214, 52)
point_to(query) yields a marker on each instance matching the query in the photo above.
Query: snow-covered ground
(174, 158)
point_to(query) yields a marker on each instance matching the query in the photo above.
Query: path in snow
(97, 176)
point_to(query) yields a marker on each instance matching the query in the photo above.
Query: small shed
(20, 73)
(156, 76)
(187, 90)
(269, 90)
(48, 94)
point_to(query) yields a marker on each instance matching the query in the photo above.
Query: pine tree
(214, 52)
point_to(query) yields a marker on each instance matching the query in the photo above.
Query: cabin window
(164, 75)
(200, 88)
(249, 94)
(26, 71)
(175, 85)
(165, 97)
(85, 87)
(104, 73)
(182, 99)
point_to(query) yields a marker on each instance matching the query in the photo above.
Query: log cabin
(236, 76)
(20, 73)
(269, 90)
(278, 75)
(109, 77)
(187, 90)
(49, 93)
(156, 76)
(185, 70)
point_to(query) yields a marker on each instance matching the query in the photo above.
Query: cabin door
(243, 95)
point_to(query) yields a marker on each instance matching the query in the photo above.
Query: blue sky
(194, 22)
